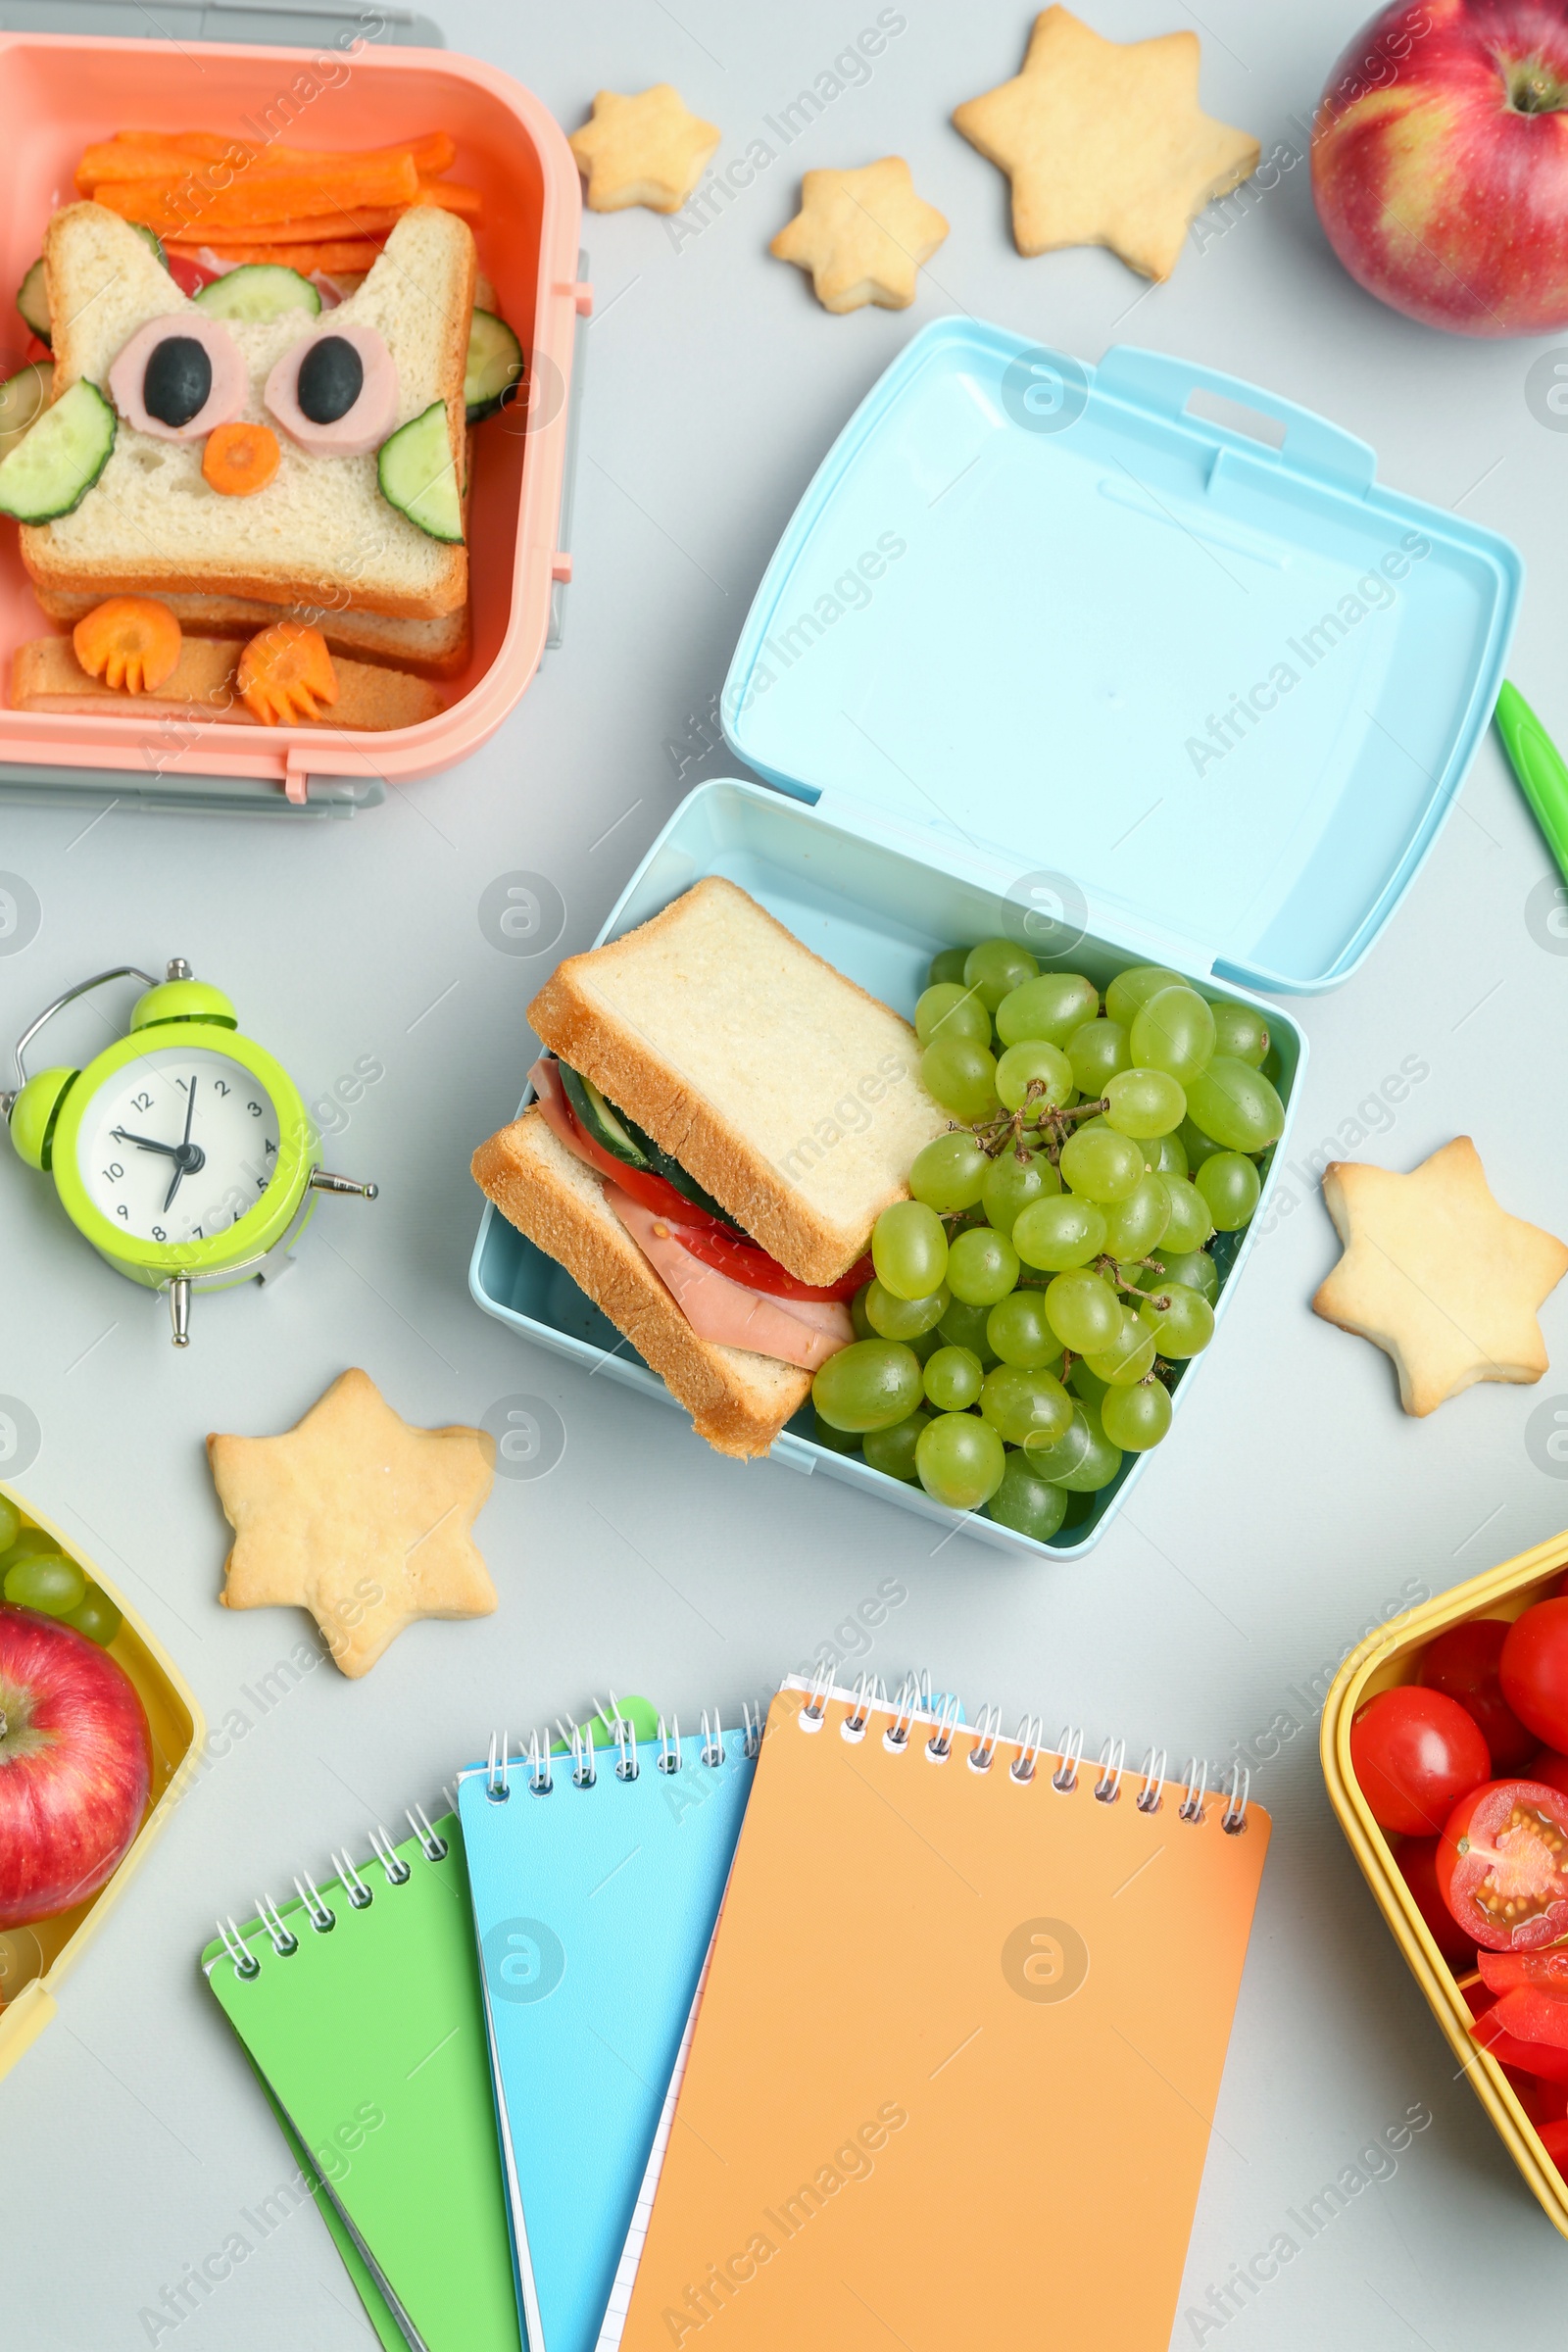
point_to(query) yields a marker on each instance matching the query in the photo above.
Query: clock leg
(321, 1181)
(179, 1310)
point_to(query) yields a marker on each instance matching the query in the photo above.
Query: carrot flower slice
(132, 642)
(239, 458)
(286, 673)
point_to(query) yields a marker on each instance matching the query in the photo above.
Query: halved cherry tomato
(1534, 1671)
(1547, 1765)
(188, 275)
(1417, 1858)
(1415, 1754)
(1503, 1865)
(1545, 1970)
(1464, 1662)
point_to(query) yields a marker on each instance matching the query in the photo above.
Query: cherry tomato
(1503, 1865)
(1464, 1662)
(190, 277)
(1534, 1671)
(1415, 1754)
(1417, 1859)
(1554, 2140)
(1547, 1765)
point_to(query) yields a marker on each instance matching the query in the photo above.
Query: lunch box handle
(1164, 386)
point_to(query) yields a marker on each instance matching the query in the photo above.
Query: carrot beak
(238, 460)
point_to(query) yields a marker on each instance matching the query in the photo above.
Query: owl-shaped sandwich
(256, 454)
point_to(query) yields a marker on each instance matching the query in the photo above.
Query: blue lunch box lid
(1224, 684)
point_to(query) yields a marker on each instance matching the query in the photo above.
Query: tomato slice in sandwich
(1503, 1865)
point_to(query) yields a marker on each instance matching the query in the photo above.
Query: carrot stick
(313, 228)
(348, 253)
(431, 154)
(451, 196)
(253, 197)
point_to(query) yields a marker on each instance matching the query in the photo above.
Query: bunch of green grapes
(34, 1574)
(1036, 1298)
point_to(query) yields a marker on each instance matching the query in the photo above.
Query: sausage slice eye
(179, 380)
(330, 380)
(336, 392)
(179, 376)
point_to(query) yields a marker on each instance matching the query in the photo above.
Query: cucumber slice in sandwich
(23, 398)
(495, 365)
(257, 291)
(32, 301)
(417, 474)
(52, 468)
(599, 1120)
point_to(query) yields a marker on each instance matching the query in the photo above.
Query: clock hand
(145, 1143)
(190, 1109)
(183, 1160)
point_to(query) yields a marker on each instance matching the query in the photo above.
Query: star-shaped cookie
(643, 150)
(864, 235)
(1437, 1275)
(1106, 143)
(356, 1517)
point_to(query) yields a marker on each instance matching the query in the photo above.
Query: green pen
(1540, 767)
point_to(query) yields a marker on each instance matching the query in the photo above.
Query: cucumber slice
(52, 468)
(495, 365)
(151, 238)
(598, 1119)
(418, 476)
(32, 301)
(23, 398)
(258, 290)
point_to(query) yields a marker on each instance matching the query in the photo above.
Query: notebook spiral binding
(319, 1914)
(539, 1762)
(915, 1701)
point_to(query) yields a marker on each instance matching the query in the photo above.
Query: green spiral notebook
(359, 2007)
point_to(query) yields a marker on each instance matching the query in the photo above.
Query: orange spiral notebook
(952, 2074)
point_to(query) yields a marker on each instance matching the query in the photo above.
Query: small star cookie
(356, 1517)
(1106, 143)
(644, 150)
(864, 235)
(1437, 1275)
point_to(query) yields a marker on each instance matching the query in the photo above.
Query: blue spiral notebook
(595, 1878)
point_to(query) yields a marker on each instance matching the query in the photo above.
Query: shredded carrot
(239, 458)
(283, 671)
(130, 642)
(349, 253)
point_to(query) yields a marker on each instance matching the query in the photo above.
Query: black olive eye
(178, 381)
(330, 378)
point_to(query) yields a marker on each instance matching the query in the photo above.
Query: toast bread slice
(788, 1092)
(737, 1400)
(45, 675)
(320, 533)
(429, 648)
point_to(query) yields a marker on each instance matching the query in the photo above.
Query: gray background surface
(1285, 1522)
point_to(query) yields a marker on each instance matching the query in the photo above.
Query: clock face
(179, 1144)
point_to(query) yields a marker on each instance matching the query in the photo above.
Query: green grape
(1132, 989)
(996, 967)
(961, 1460)
(894, 1318)
(1129, 1357)
(1048, 1008)
(1083, 1310)
(953, 1378)
(45, 1580)
(924, 1344)
(1100, 1459)
(1181, 1320)
(1138, 1417)
(868, 1385)
(837, 1441)
(1058, 1233)
(1034, 1063)
(1144, 1103)
(1026, 1504)
(1173, 1032)
(1197, 1145)
(965, 1326)
(1238, 1032)
(910, 1251)
(10, 1524)
(1065, 1454)
(948, 1172)
(1135, 1225)
(1012, 1181)
(1195, 1269)
(1190, 1221)
(1170, 1154)
(949, 1009)
(97, 1617)
(1102, 1164)
(1096, 1051)
(1229, 1184)
(26, 1547)
(982, 1267)
(1022, 1404)
(1020, 1333)
(858, 1314)
(892, 1450)
(947, 965)
(962, 1076)
(1086, 1383)
(1236, 1105)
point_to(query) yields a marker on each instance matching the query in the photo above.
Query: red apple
(75, 1762)
(1440, 162)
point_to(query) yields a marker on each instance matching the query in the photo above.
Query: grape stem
(1052, 1127)
(1110, 1269)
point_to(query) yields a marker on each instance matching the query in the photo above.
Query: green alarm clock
(184, 1152)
